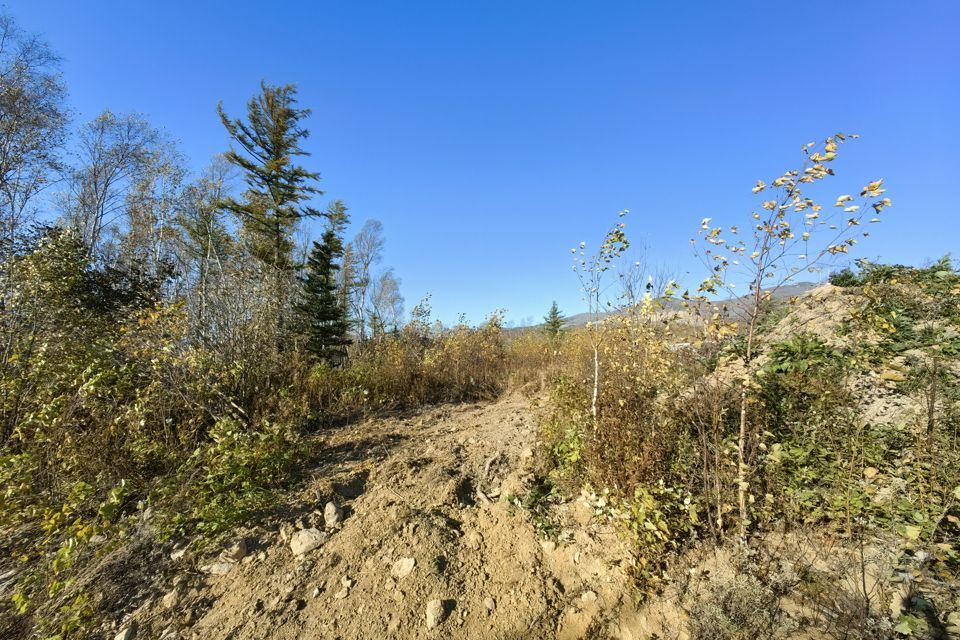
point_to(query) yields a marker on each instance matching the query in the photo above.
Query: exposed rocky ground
(408, 531)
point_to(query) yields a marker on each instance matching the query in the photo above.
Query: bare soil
(434, 488)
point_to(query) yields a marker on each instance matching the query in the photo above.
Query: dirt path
(425, 518)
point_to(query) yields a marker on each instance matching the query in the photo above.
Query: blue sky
(490, 137)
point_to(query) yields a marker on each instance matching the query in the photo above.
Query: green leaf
(904, 628)
(911, 532)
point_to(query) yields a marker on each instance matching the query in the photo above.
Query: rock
(870, 472)
(588, 596)
(490, 604)
(346, 582)
(436, 613)
(343, 593)
(127, 633)
(526, 453)
(306, 540)
(177, 554)
(171, 598)
(169, 634)
(217, 568)
(332, 514)
(402, 568)
(474, 540)
(235, 552)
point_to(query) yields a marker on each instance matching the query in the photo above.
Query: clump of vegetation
(729, 431)
(741, 608)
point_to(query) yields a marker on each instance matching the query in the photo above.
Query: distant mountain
(783, 293)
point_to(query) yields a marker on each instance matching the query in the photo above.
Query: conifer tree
(321, 314)
(277, 187)
(553, 321)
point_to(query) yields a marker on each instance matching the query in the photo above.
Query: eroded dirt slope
(428, 546)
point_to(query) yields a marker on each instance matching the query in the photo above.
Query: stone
(343, 593)
(588, 596)
(490, 604)
(306, 540)
(171, 598)
(870, 472)
(332, 514)
(436, 613)
(235, 552)
(402, 568)
(127, 633)
(218, 568)
(177, 554)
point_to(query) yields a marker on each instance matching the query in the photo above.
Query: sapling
(791, 233)
(592, 271)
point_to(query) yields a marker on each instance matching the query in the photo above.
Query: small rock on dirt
(171, 598)
(436, 613)
(306, 540)
(169, 634)
(218, 568)
(402, 567)
(490, 604)
(588, 596)
(332, 514)
(127, 633)
(235, 552)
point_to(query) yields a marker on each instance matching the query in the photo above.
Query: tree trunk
(596, 384)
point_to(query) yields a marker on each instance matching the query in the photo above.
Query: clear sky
(490, 137)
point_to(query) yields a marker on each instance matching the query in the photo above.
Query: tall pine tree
(277, 187)
(321, 314)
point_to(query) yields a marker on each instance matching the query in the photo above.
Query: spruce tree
(553, 321)
(321, 314)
